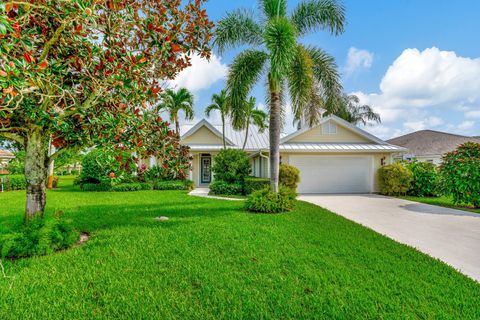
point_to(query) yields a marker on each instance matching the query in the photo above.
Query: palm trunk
(246, 135)
(274, 130)
(177, 126)
(223, 132)
(35, 173)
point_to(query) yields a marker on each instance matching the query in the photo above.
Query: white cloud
(201, 74)
(419, 84)
(358, 59)
(473, 114)
(466, 125)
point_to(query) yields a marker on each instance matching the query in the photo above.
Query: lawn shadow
(438, 210)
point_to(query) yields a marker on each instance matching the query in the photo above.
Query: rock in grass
(161, 218)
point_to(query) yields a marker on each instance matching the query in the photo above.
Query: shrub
(289, 176)
(105, 165)
(231, 165)
(14, 182)
(265, 201)
(174, 165)
(17, 164)
(173, 185)
(38, 237)
(123, 187)
(424, 179)
(395, 179)
(252, 184)
(460, 172)
(95, 187)
(220, 187)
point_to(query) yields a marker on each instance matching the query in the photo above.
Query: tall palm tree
(287, 64)
(250, 115)
(351, 110)
(175, 101)
(221, 103)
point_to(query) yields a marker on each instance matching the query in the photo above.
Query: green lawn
(213, 260)
(441, 201)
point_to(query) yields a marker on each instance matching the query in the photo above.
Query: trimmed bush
(425, 179)
(39, 237)
(14, 182)
(231, 166)
(395, 179)
(265, 201)
(95, 187)
(460, 172)
(173, 185)
(220, 187)
(252, 184)
(124, 187)
(289, 176)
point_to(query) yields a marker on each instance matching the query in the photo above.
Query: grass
(213, 260)
(442, 201)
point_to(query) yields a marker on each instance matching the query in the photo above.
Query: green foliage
(17, 165)
(39, 237)
(173, 185)
(265, 201)
(231, 165)
(395, 179)
(252, 184)
(289, 176)
(13, 182)
(172, 168)
(220, 187)
(124, 187)
(90, 187)
(460, 172)
(425, 179)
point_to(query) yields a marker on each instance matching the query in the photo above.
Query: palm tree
(352, 111)
(175, 101)
(250, 115)
(221, 103)
(287, 64)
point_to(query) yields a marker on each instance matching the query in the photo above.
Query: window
(329, 128)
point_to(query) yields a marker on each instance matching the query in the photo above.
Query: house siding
(202, 136)
(342, 135)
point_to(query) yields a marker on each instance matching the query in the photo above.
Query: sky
(416, 62)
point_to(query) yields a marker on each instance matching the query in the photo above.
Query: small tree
(78, 71)
(460, 172)
(248, 115)
(231, 166)
(395, 179)
(175, 101)
(425, 179)
(221, 103)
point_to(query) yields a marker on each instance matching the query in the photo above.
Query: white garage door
(333, 174)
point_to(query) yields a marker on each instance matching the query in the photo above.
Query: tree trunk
(35, 173)
(177, 126)
(246, 134)
(51, 166)
(275, 127)
(223, 132)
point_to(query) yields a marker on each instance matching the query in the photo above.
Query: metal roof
(4, 154)
(343, 147)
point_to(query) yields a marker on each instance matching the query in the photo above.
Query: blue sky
(416, 62)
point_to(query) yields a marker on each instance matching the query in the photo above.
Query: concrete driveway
(452, 236)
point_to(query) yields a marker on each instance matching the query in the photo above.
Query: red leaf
(27, 57)
(3, 73)
(43, 65)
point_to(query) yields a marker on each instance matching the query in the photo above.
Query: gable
(319, 134)
(202, 136)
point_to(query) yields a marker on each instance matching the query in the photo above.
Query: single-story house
(5, 157)
(429, 145)
(333, 156)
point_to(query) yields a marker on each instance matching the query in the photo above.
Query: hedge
(138, 186)
(265, 201)
(253, 184)
(173, 185)
(14, 182)
(220, 187)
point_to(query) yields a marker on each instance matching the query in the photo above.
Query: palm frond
(313, 15)
(300, 81)
(273, 8)
(245, 71)
(238, 28)
(280, 40)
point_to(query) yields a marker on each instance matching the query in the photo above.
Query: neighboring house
(333, 157)
(5, 157)
(429, 145)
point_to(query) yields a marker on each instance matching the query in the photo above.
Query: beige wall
(377, 159)
(342, 135)
(203, 136)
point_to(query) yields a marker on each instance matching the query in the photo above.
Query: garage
(334, 174)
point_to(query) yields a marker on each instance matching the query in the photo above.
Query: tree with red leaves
(77, 72)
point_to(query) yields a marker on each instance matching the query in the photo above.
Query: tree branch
(13, 136)
(52, 41)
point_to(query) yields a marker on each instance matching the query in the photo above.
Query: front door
(205, 169)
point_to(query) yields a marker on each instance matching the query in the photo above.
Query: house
(5, 157)
(333, 156)
(429, 145)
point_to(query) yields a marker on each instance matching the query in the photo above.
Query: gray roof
(430, 142)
